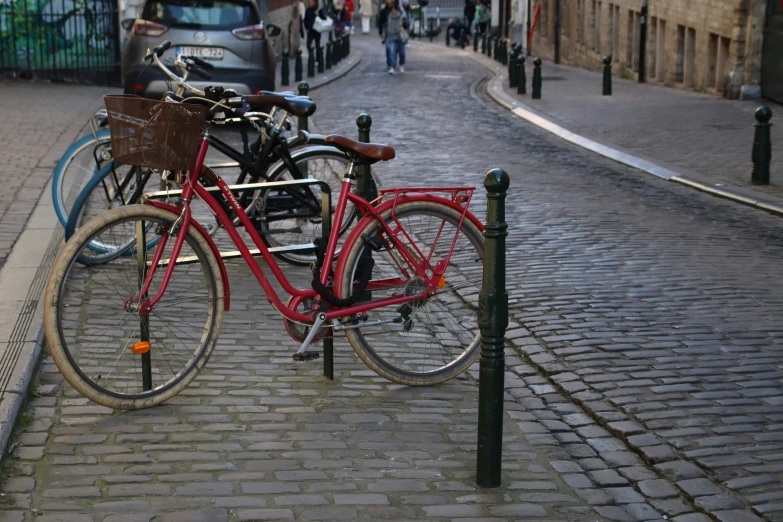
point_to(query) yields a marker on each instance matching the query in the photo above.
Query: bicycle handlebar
(201, 63)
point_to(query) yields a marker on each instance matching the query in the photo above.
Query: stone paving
(40, 120)
(646, 382)
(702, 133)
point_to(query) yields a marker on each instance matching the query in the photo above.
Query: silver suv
(227, 33)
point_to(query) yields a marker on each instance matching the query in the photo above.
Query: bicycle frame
(193, 187)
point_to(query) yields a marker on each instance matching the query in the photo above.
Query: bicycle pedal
(307, 356)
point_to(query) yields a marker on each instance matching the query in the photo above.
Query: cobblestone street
(644, 362)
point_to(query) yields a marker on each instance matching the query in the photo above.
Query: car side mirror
(273, 30)
(127, 24)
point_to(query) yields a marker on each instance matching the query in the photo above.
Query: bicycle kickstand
(302, 354)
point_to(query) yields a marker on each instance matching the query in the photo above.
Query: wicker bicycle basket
(154, 134)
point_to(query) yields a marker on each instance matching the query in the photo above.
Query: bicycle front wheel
(426, 341)
(92, 321)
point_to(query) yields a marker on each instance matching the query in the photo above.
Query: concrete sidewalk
(693, 138)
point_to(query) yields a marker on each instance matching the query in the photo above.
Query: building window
(679, 69)
(629, 43)
(615, 45)
(597, 27)
(660, 51)
(712, 61)
(653, 31)
(690, 55)
(723, 59)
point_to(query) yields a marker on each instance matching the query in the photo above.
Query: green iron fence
(63, 40)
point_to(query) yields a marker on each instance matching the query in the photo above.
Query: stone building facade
(703, 45)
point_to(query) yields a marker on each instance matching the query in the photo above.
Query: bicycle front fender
(386, 205)
(171, 208)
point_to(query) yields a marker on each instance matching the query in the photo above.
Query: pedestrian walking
(349, 8)
(394, 36)
(483, 16)
(311, 13)
(365, 6)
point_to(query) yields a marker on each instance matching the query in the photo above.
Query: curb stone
(650, 166)
(43, 236)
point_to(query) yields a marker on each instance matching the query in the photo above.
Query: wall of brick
(703, 45)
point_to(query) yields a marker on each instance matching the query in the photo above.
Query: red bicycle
(135, 331)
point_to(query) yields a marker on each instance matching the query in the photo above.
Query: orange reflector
(442, 283)
(141, 347)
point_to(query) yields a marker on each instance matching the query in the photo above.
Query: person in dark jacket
(470, 13)
(458, 31)
(383, 16)
(311, 13)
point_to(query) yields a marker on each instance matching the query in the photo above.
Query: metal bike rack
(326, 229)
(326, 214)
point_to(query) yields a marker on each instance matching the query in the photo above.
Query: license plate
(208, 53)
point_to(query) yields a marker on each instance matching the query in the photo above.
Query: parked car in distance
(227, 33)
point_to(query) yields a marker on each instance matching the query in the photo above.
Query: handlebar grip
(159, 50)
(201, 63)
(198, 71)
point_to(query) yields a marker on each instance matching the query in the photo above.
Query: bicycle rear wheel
(114, 186)
(427, 341)
(76, 167)
(91, 332)
(285, 221)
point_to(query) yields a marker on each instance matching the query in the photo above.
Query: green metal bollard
(303, 124)
(347, 45)
(364, 186)
(310, 63)
(319, 57)
(512, 69)
(298, 66)
(144, 319)
(504, 52)
(363, 176)
(521, 75)
(762, 146)
(326, 230)
(329, 55)
(336, 50)
(537, 79)
(484, 44)
(463, 37)
(340, 50)
(284, 69)
(475, 42)
(493, 321)
(607, 75)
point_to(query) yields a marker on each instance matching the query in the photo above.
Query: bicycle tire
(78, 303)
(280, 172)
(454, 325)
(61, 172)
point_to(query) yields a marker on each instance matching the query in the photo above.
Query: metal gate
(65, 40)
(772, 57)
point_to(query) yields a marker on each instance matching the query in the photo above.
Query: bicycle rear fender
(171, 208)
(383, 207)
